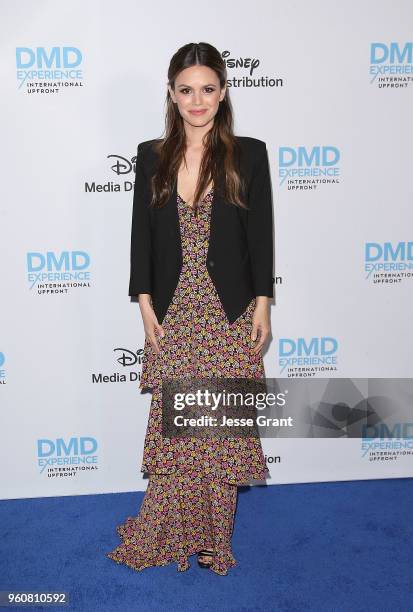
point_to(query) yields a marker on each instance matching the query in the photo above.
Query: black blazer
(240, 251)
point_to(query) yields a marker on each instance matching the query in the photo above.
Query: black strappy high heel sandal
(205, 553)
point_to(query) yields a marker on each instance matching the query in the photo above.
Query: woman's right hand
(150, 321)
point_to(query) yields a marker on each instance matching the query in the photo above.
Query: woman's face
(197, 94)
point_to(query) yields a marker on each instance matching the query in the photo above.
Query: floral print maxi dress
(192, 491)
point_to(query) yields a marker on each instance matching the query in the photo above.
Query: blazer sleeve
(141, 242)
(260, 225)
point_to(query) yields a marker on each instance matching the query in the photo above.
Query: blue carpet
(341, 546)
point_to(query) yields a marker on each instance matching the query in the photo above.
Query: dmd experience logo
(304, 169)
(56, 273)
(2, 370)
(391, 64)
(388, 263)
(48, 71)
(384, 443)
(303, 358)
(66, 458)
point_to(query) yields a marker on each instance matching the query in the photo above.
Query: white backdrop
(326, 84)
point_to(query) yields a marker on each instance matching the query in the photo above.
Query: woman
(201, 264)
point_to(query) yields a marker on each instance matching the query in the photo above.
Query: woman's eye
(207, 89)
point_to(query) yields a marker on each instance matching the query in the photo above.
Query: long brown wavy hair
(220, 160)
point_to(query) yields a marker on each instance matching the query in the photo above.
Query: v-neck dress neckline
(188, 205)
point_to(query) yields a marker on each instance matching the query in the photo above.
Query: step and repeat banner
(329, 87)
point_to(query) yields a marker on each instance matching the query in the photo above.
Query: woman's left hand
(261, 325)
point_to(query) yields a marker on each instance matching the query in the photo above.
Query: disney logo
(123, 165)
(129, 358)
(241, 62)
